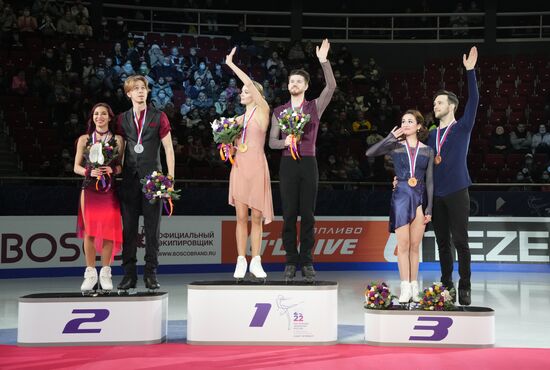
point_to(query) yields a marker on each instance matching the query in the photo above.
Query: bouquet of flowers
(292, 123)
(99, 154)
(437, 298)
(378, 296)
(157, 186)
(225, 131)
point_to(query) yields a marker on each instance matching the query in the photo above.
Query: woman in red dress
(99, 220)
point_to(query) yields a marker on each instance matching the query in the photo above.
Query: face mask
(202, 66)
(143, 69)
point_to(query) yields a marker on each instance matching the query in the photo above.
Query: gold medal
(243, 147)
(437, 159)
(412, 182)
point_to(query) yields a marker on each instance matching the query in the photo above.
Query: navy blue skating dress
(406, 199)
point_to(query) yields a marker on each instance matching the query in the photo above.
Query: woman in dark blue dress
(411, 203)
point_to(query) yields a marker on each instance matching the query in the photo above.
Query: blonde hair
(259, 87)
(131, 82)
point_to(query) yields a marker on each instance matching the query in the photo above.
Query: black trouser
(298, 182)
(450, 220)
(132, 203)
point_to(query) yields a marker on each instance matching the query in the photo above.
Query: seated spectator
(296, 53)
(47, 27)
(203, 73)
(160, 100)
(212, 91)
(361, 124)
(26, 22)
(541, 141)
(203, 102)
(187, 107)
(232, 90)
(221, 104)
(193, 91)
(175, 57)
(500, 141)
(19, 84)
(67, 25)
(165, 70)
(274, 61)
(84, 29)
(521, 139)
(156, 57)
(161, 86)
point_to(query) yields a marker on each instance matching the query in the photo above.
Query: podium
(274, 313)
(465, 327)
(67, 319)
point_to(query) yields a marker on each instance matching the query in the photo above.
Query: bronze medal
(243, 147)
(437, 159)
(412, 182)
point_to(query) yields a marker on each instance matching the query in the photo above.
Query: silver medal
(138, 148)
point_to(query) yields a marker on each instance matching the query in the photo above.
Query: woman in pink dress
(249, 182)
(99, 220)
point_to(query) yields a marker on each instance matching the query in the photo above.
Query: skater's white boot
(105, 280)
(240, 269)
(405, 296)
(256, 268)
(90, 280)
(414, 291)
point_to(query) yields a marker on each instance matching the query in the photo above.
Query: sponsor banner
(337, 239)
(50, 241)
(367, 239)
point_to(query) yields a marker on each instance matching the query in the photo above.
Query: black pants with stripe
(450, 222)
(298, 183)
(132, 204)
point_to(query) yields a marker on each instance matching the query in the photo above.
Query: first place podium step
(275, 313)
(51, 319)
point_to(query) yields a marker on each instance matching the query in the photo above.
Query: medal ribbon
(245, 124)
(440, 140)
(412, 163)
(139, 125)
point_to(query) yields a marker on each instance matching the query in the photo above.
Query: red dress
(99, 212)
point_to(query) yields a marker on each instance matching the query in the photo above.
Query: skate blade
(132, 291)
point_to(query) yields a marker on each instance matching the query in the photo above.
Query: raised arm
(326, 95)
(472, 103)
(257, 96)
(385, 145)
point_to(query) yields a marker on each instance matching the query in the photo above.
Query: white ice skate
(256, 269)
(90, 281)
(240, 269)
(105, 281)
